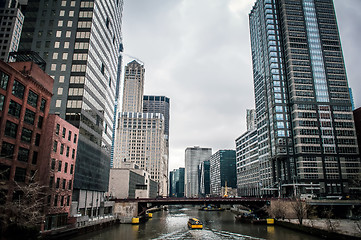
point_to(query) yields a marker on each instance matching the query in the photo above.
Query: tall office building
(176, 183)
(81, 42)
(222, 171)
(193, 157)
(140, 136)
(204, 179)
(306, 134)
(133, 88)
(11, 22)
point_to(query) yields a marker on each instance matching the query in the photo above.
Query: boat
(211, 208)
(250, 218)
(194, 223)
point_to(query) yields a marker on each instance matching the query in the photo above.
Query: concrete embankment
(337, 229)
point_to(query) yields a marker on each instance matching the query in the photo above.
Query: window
(4, 79)
(59, 166)
(61, 149)
(58, 103)
(67, 151)
(70, 184)
(40, 122)
(71, 168)
(57, 129)
(29, 117)
(35, 158)
(11, 129)
(65, 167)
(57, 185)
(73, 154)
(75, 136)
(69, 135)
(53, 164)
(55, 200)
(14, 109)
(64, 132)
(42, 105)
(55, 146)
(20, 174)
(68, 200)
(7, 150)
(33, 99)
(18, 89)
(26, 135)
(64, 183)
(51, 181)
(23, 154)
(37, 139)
(60, 92)
(2, 100)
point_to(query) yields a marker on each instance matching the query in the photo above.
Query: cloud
(198, 53)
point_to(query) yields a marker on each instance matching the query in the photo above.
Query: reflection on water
(172, 224)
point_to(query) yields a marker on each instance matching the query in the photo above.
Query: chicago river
(172, 224)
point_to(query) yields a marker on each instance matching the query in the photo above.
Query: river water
(172, 224)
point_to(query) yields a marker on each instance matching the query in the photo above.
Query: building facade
(193, 157)
(11, 22)
(133, 87)
(204, 178)
(81, 43)
(129, 181)
(59, 147)
(222, 171)
(176, 183)
(25, 95)
(247, 163)
(140, 140)
(306, 135)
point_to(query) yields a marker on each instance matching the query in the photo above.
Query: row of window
(60, 183)
(62, 148)
(60, 167)
(8, 150)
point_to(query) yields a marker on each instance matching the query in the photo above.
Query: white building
(131, 182)
(140, 140)
(193, 157)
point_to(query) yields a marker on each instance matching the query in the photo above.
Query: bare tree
(276, 209)
(300, 208)
(25, 210)
(331, 224)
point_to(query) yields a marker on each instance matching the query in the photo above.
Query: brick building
(24, 106)
(59, 148)
(35, 146)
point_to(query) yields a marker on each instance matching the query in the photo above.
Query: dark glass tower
(306, 134)
(81, 42)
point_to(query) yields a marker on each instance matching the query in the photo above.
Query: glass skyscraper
(81, 42)
(306, 134)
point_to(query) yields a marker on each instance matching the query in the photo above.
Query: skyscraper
(222, 171)
(11, 22)
(193, 157)
(81, 42)
(133, 88)
(140, 136)
(306, 134)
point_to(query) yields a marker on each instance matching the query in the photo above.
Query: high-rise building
(140, 136)
(81, 42)
(222, 171)
(306, 134)
(176, 183)
(247, 162)
(204, 179)
(133, 88)
(11, 22)
(193, 157)
(158, 104)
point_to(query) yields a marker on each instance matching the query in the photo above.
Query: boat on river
(194, 223)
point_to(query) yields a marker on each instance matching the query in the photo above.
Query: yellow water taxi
(194, 223)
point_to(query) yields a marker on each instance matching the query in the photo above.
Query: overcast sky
(198, 53)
